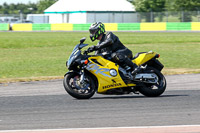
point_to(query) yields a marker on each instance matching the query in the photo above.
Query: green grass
(36, 54)
(177, 50)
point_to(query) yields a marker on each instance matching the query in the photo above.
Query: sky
(17, 1)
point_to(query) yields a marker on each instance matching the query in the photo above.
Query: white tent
(88, 11)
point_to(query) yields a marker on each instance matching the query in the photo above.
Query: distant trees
(149, 6)
(44, 4)
(167, 5)
(29, 8)
(185, 6)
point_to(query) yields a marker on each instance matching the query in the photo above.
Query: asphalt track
(44, 105)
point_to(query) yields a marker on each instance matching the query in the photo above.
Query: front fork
(82, 73)
(82, 78)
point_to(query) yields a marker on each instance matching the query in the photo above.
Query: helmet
(96, 30)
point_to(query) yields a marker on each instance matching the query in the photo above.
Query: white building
(89, 11)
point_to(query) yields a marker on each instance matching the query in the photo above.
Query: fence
(168, 16)
(148, 21)
(170, 26)
(181, 16)
(11, 18)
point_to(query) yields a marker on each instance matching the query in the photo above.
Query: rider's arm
(109, 41)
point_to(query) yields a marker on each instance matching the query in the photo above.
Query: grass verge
(30, 56)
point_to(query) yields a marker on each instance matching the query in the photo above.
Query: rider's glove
(92, 48)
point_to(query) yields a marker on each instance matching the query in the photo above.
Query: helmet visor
(93, 31)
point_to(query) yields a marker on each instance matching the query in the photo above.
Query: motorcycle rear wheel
(154, 90)
(71, 85)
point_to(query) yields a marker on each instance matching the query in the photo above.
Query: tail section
(143, 57)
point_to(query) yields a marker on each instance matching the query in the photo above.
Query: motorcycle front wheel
(77, 89)
(154, 90)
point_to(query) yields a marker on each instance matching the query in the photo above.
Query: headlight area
(76, 64)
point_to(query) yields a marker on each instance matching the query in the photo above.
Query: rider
(110, 43)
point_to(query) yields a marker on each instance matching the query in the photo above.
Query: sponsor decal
(98, 70)
(114, 81)
(112, 85)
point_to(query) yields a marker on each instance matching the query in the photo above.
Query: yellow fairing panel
(102, 71)
(144, 57)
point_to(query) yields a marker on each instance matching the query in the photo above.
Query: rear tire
(71, 85)
(154, 90)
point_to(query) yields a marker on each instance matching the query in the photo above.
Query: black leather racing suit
(120, 54)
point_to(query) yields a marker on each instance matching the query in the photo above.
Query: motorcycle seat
(138, 55)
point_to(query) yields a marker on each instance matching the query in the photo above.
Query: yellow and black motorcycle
(95, 73)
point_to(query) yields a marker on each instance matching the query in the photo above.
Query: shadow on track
(127, 97)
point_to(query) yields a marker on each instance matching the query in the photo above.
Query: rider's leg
(123, 59)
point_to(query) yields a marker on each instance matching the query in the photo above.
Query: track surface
(45, 105)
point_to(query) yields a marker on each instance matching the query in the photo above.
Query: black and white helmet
(96, 30)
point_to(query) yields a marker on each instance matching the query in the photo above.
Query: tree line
(30, 8)
(184, 6)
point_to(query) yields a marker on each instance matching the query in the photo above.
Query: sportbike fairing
(144, 57)
(106, 72)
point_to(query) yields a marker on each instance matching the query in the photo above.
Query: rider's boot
(134, 68)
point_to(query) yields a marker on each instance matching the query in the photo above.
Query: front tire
(72, 85)
(154, 90)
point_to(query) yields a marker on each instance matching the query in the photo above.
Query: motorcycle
(97, 73)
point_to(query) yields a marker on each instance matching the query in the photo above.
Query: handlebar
(106, 55)
(87, 51)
